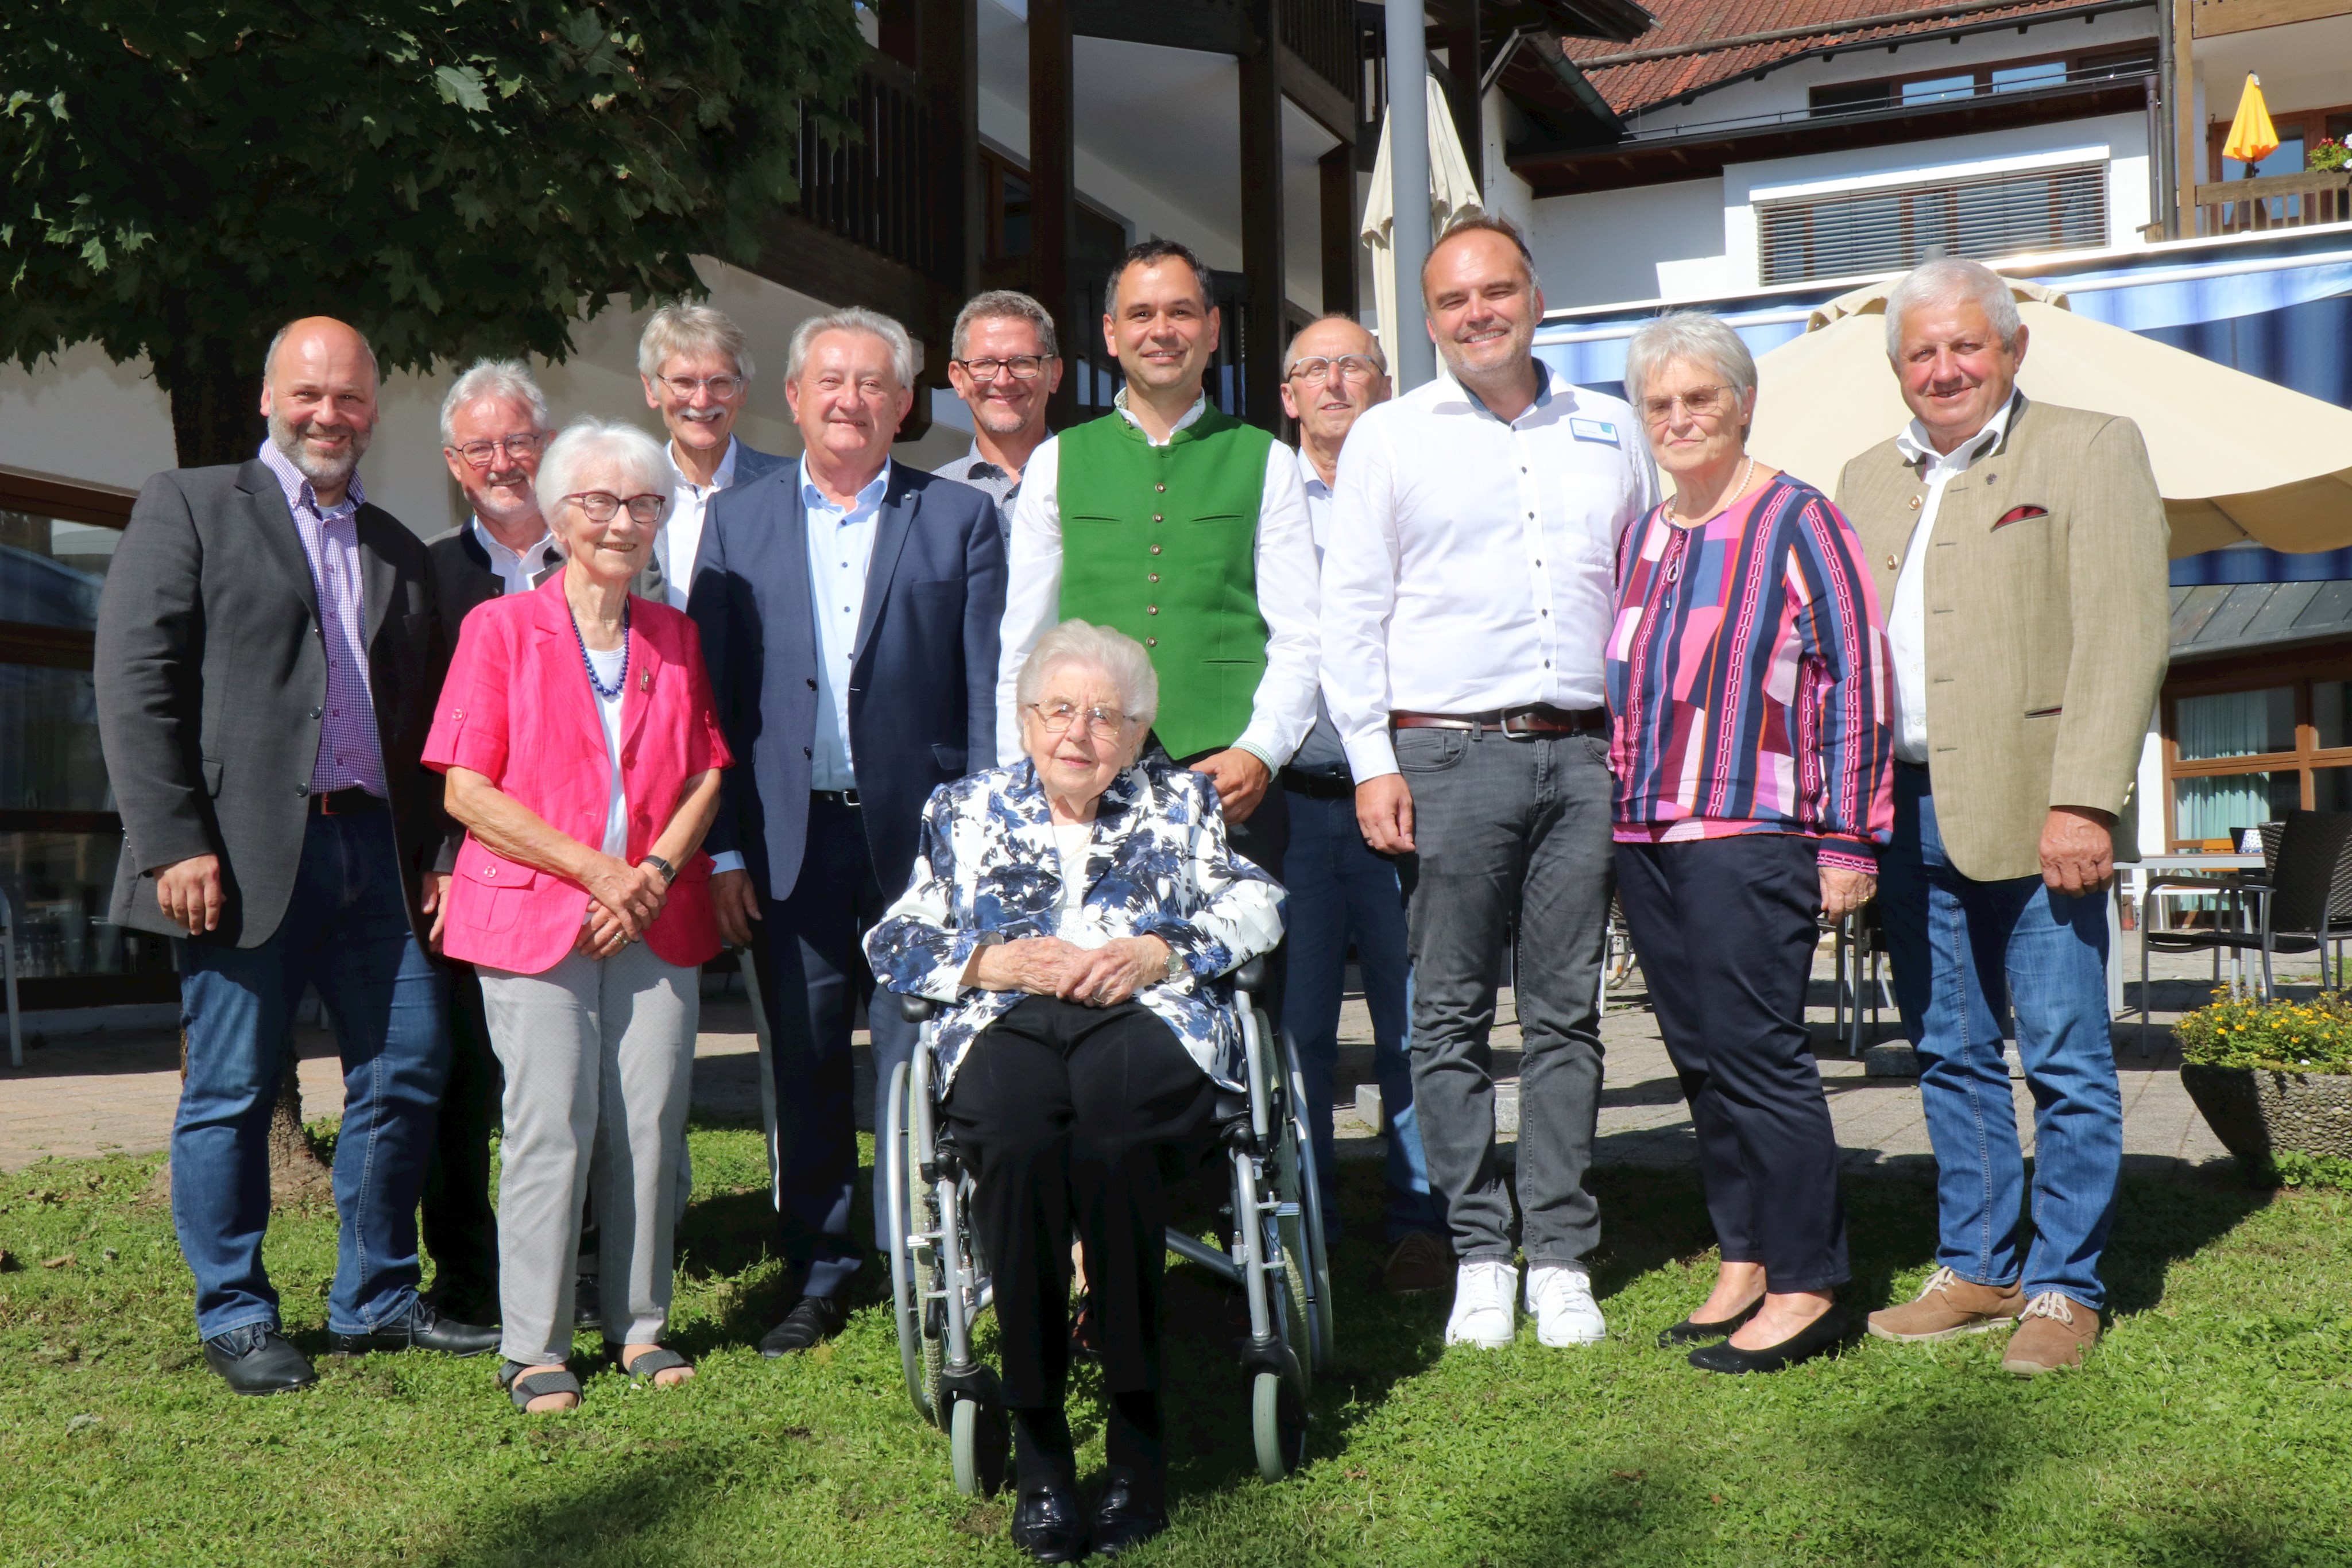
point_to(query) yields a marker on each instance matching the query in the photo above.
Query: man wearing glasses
(697, 367)
(1005, 366)
(1185, 529)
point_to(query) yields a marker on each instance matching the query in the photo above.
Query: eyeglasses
(1057, 717)
(1700, 402)
(599, 506)
(720, 387)
(1354, 367)
(517, 449)
(1025, 368)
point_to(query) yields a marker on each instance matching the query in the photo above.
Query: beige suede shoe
(1945, 1307)
(2052, 1335)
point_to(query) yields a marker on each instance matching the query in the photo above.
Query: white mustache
(701, 415)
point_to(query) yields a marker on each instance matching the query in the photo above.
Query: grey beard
(283, 436)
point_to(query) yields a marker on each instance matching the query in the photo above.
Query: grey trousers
(1508, 834)
(599, 1059)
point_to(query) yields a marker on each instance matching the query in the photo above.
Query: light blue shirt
(840, 551)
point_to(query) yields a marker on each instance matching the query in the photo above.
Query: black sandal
(524, 1384)
(642, 1371)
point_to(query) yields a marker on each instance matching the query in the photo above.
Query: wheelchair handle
(918, 1010)
(1251, 976)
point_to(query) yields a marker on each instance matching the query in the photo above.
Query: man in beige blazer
(2021, 547)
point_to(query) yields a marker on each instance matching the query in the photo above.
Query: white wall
(1605, 246)
(84, 420)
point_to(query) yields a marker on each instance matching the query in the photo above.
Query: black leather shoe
(812, 1320)
(422, 1329)
(587, 1303)
(1822, 1334)
(254, 1360)
(1048, 1524)
(1690, 1331)
(1130, 1513)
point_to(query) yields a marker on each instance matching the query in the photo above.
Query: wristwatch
(670, 872)
(1177, 967)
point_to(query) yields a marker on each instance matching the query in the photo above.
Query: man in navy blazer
(850, 611)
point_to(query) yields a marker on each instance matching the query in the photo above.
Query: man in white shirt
(697, 370)
(1467, 589)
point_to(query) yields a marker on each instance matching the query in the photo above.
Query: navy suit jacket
(922, 682)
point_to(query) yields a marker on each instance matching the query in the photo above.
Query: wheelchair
(1275, 1252)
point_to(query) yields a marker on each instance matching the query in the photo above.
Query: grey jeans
(1508, 834)
(599, 1055)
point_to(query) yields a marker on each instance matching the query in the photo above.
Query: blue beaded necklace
(621, 682)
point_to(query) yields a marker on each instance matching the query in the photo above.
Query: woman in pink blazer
(584, 757)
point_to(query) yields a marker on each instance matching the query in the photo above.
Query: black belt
(1536, 719)
(847, 798)
(1319, 785)
(349, 801)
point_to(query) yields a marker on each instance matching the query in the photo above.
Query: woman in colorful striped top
(1749, 689)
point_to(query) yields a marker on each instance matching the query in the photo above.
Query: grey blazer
(211, 676)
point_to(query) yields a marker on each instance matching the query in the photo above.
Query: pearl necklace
(621, 682)
(1736, 491)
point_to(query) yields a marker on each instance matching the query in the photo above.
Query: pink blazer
(517, 709)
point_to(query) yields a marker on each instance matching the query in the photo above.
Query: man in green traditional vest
(1187, 529)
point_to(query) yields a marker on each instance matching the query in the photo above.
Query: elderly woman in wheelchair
(1073, 919)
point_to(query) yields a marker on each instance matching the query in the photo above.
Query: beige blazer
(2048, 617)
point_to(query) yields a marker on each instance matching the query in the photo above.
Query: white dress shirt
(840, 551)
(1472, 563)
(1906, 625)
(1284, 708)
(515, 571)
(680, 540)
(1320, 752)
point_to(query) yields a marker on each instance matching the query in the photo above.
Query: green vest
(1161, 542)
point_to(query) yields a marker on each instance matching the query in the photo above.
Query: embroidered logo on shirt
(1599, 430)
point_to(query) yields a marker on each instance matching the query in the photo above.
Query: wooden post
(949, 69)
(1341, 225)
(1464, 63)
(1260, 348)
(1053, 180)
(2189, 145)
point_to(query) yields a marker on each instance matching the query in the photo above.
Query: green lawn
(2214, 1425)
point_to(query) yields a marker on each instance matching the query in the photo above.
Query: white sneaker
(1484, 1309)
(1560, 1297)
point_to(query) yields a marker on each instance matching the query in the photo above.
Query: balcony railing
(880, 190)
(2275, 201)
(1326, 37)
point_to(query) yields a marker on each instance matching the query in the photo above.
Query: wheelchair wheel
(1314, 1257)
(918, 1355)
(1277, 1425)
(980, 1438)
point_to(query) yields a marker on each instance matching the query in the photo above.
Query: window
(1890, 227)
(2236, 758)
(1957, 86)
(60, 835)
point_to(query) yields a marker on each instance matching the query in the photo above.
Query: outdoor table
(2139, 871)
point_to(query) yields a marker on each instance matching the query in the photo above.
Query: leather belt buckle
(1526, 716)
(840, 796)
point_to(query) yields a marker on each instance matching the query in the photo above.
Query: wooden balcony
(2212, 19)
(2274, 201)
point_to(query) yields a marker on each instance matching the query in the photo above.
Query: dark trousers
(1725, 928)
(1063, 1110)
(813, 976)
(1262, 841)
(461, 1229)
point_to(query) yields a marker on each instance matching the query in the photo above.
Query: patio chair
(2295, 907)
(1858, 936)
(2339, 902)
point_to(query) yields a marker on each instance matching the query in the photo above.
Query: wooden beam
(1341, 227)
(2214, 18)
(1260, 346)
(1210, 27)
(1326, 105)
(1053, 192)
(814, 260)
(1465, 65)
(2188, 142)
(949, 72)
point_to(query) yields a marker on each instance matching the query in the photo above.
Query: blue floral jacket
(1160, 867)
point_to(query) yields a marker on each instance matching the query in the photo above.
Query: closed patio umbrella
(1452, 192)
(2236, 457)
(2253, 137)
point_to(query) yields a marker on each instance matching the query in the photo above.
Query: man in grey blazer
(2020, 548)
(268, 654)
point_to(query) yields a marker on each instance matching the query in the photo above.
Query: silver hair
(510, 379)
(1693, 335)
(278, 337)
(1008, 304)
(1948, 280)
(855, 319)
(1290, 353)
(643, 458)
(684, 327)
(1104, 648)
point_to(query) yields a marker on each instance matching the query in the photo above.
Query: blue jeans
(1968, 954)
(1339, 889)
(346, 931)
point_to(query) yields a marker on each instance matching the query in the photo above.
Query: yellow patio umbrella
(1452, 193)
(2253, 137)
(2277, 470)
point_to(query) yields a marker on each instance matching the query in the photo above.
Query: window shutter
(1896, 226)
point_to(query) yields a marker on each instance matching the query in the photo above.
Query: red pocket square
(2020, 514)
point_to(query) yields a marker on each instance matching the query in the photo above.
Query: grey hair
(646, 460)
(1694, 334)
(855, 319)
(1105, 648)
(1290, 353)
(1952, 280)
(684, 327)
(1007, 305)
(510, 379)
